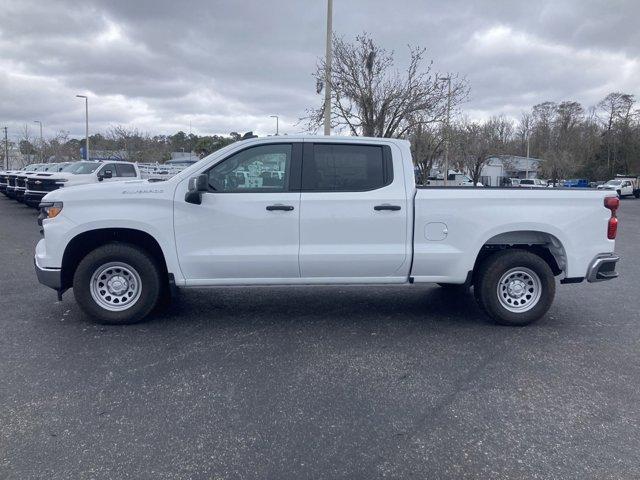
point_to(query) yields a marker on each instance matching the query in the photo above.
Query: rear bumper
(51, 277)
(603, 267)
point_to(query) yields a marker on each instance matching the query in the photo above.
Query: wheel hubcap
(115, 286)
(519, 289)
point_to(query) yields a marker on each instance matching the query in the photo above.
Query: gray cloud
(223, 66)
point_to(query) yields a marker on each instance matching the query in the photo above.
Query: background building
(508, 166)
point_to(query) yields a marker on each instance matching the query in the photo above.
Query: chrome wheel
(519, 289)
(115, 286)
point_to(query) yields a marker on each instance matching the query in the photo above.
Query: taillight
(612, 203)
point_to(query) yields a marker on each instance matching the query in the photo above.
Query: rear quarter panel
(472, 216)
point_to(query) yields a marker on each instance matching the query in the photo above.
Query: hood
(126, 189)
(74, 179)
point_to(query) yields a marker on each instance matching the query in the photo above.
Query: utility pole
(277, 124)
(86, 127)
(327, 73)
(447, 131)
(6, 149)
(526, 172)
(41, 141)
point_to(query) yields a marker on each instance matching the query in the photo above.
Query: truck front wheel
(117, 284)
(514, 287)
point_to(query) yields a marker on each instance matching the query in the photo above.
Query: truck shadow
(272, 305)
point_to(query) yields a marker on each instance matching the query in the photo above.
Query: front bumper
(51, 277)
(33, 198)
(603, 267)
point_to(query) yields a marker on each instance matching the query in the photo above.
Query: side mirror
(197, 185)
(105, 174)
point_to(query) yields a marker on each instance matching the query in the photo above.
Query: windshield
(81, 168)
(614, 182)
(31, 168)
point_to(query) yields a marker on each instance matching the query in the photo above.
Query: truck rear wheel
(515, 287)
(117, 284)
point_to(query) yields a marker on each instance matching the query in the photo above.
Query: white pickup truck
(78, 173)
(338, 211)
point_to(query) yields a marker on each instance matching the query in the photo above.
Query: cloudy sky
(226, 66)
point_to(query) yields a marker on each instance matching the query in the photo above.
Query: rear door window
(344, 168)
(125, 170)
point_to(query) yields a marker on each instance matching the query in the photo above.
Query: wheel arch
(83, 243)
(544, 244)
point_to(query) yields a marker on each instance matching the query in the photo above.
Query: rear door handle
(286, 208)
(387, 207)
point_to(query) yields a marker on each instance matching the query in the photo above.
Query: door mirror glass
(197, 185)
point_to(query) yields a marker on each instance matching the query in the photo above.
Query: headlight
(61, 181)
(50, 210)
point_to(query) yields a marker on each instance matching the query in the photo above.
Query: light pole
(277, 123)
(6, 149)
(526, 174)
(41, 141)
(327, 72)
(86, 130)
(447, 130)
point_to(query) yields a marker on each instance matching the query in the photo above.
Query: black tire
(636, 194)
(536, 293)
(142, 265)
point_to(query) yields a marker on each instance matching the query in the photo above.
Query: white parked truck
(319, 210)
(623, 185)
(78, 173)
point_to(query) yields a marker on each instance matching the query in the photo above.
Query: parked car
(15, 185)
(4, 174)
(624, 186)
(453, 180)
(576, 183)
(346, 211)
(532, 183)
(77, 173)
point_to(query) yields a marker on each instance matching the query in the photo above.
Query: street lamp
(327, 68)
(86, 119)
(448, 128)
(277, 122)
(41, 141)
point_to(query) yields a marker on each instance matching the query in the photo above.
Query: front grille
(42, 185)
(11, 181)
(20, 182)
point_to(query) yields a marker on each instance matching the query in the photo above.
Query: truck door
(247, 227)
(353, 217)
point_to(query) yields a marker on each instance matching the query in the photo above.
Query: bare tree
(27, 147)
(477, 142)
(613, 107)
(427, 145)
(370, 98)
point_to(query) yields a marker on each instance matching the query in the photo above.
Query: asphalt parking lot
(309, 382)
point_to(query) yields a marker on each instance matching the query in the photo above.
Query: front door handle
(387, 207)
(286, 208)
